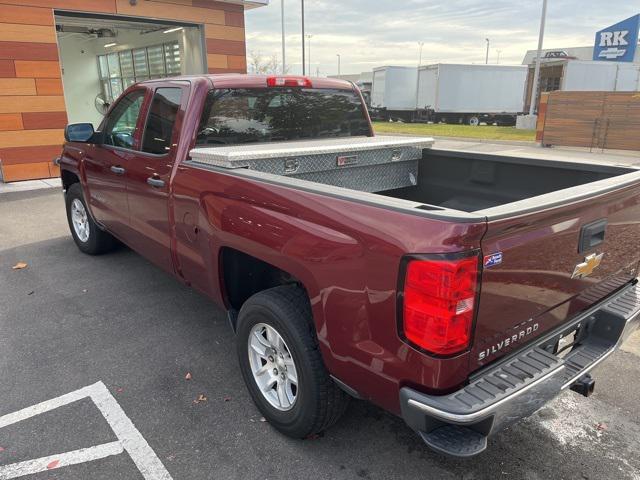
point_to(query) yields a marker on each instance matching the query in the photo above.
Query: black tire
(99, 241)
(319, 402)
(473, 120)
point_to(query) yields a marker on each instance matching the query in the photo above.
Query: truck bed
(471, 182)
(542, 222)
(409, 170)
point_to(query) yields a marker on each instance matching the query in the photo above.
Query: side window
(162, 117)
(120, 126)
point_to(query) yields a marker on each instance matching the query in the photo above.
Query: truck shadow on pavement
(69, 320)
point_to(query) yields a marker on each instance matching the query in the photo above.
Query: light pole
(309, 37)
(536, 73)
(338, 55)
(486, 59)
(304, 72)
(284, 66)
(421, 44)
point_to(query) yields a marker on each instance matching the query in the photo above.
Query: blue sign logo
(618, 42)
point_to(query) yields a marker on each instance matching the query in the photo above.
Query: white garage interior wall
(79, 59)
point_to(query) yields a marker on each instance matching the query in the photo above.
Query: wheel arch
(242, 275)
(68, 178)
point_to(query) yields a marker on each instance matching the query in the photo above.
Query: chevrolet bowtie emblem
(587, 267)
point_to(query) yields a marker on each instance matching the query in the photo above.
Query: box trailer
(393, 93)
(601, 76)
(458, 93)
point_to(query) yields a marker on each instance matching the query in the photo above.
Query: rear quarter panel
(347, 256)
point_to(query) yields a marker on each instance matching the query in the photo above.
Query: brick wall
(32, 108)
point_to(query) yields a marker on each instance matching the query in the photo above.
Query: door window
(162, 117)
(120, 126)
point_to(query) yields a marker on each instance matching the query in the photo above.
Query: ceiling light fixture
(107, 45)
(174, 29)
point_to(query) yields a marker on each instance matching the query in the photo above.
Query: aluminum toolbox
(369, 164)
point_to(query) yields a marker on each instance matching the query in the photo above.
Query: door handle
(155, 182)
(118, 170)
(592, 235)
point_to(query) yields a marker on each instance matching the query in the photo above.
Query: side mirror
(78, 132)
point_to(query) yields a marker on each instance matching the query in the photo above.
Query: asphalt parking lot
(117, 336)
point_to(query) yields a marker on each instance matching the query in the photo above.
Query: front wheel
(473, 121)
(282, 366)
(85, 232)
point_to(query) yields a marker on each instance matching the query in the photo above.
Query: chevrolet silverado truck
(460, 291)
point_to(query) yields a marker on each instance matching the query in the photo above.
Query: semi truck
(459, 291)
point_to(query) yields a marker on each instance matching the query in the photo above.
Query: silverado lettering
(508, 341)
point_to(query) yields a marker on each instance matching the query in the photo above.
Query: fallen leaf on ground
(19, 266)
(53, 464)
(31, 292)
(601, 426)
(120, 390)
(187, 376)
(227, 399)
(201, 398)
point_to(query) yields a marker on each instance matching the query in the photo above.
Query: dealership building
(66, 60)
(611, 64)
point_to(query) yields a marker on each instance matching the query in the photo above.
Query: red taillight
(289, 82)
(439, 303)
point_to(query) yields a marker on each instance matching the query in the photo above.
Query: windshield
(252, 115)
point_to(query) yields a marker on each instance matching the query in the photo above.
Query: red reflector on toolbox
(439, 304)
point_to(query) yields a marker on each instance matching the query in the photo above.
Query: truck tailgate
(544, 267)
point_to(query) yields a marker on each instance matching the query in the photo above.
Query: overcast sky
(370, 33)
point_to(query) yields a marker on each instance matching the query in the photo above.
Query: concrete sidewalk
(520, 149)
(28, 185)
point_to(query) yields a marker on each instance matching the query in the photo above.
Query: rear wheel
(85, 232)
(282, 366)
(473, 120)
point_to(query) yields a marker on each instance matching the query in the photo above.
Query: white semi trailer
(393, 93)
(600, 76)
(470, 94)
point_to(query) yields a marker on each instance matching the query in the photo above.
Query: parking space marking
(29, 467)
(129, 438)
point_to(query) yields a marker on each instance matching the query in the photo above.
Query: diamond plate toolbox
(370, 164)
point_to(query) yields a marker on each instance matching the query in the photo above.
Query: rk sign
(618, 42)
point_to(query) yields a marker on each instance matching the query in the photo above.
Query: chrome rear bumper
(459, 423)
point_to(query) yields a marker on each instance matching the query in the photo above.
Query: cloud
(370, 33)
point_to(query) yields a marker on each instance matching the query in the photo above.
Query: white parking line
(129, 438)
(30, 467)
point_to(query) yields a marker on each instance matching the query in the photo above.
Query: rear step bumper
(459, 423)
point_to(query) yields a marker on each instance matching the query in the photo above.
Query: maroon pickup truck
(460, 291)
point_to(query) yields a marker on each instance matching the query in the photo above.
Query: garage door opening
(102, 55)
